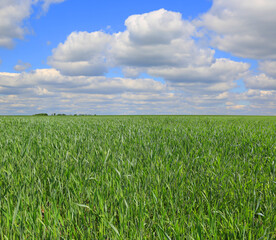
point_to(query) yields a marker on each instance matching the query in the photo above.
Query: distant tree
(41, 114)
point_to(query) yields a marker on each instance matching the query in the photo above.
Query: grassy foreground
(140, 177)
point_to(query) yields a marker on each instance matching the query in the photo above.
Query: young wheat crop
(138, 177)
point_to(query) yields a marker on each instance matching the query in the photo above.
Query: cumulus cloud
(159, 43)
(260, 81)
(219, 76)
(268, 67)
(236, 107)
(12, 14)
(157, 27)
(158, 38)
(179, 52)
(50, 80)
(49, 90)
(245, 28)
(82, 53)
(250, 102)
(22, 66)
(261, 101)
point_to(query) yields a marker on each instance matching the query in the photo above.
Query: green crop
(138, 177)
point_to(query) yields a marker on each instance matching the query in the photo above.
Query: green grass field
(138, 177)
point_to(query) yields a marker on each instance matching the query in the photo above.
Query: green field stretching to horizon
(137, 177)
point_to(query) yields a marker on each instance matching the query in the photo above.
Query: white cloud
(261, 101)
(236, 107)
(22, 66)
(49, 91)
(82, 53)
(159, 43)
(159, 38)
(261, 81)
(52, 81)
(42, 92)
(132, 72)
(157, 27)
(222, 70)
(268, 67)
(219, 76)
(12, 14)
(245, 28)
(47, 3)
(178, 52)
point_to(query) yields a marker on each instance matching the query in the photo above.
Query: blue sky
(138, 57)
(62, 19)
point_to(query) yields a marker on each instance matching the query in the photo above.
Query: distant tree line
(62, 114)
(41, 114)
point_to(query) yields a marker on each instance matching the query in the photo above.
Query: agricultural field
(138, 177)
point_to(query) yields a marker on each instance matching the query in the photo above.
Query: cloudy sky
(138, 57)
